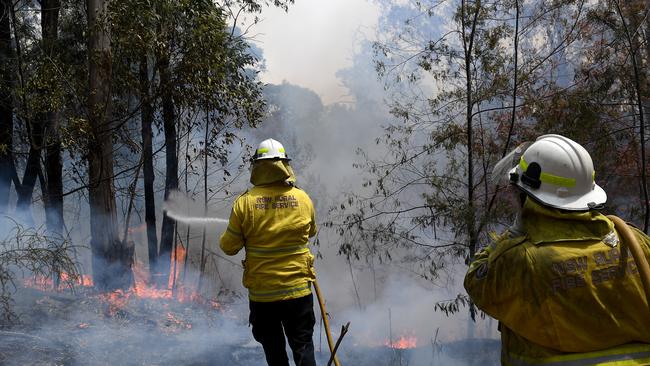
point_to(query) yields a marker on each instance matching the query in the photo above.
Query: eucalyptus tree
(469, 80)
(632, 17)
(188, 60)
(445, 66)
(53, 199)
(40, 92)
(586, 81)
(111, 261)
(39, 95)
(165, 65)
(6, 105)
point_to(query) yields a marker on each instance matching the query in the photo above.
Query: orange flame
(142, 287)
(47, 283)
(138, 229)
(176, 267)
(403, 342)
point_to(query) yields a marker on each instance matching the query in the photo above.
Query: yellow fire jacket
(273, 222)
(565, 293)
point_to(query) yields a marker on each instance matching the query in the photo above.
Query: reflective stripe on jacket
(625, 355)
(565, 293)
(273, 222)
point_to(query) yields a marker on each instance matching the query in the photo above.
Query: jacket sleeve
(494, 279)
(232, 240)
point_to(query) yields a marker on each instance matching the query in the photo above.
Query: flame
(177, 264)
(85, 280)
(175, 289)
(142, 287)
(47, 283)
(115, 301)
(138, 229)
(403, 342)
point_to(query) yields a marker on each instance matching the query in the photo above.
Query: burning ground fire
(407, 340)
(403, 342)
(173, 326)
(176, 288)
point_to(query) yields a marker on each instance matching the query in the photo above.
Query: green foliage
(417, 191)
(454, 305)
(255, 6)
(209, 72)
(31, 252)
(211, 68)
(574, 78)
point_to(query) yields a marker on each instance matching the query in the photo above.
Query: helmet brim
(253, 159)
(592, 200)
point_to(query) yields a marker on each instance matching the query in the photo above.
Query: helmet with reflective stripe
(270, 149)
(558, 172)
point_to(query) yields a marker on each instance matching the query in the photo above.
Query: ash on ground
(86, 328)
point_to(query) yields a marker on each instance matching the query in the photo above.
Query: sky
(316, 38)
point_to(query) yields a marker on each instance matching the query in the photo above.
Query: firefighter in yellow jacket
(273, 222)
(561, 281)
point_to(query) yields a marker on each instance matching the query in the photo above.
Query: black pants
(296, 317)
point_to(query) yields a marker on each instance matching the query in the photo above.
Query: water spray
(177, 206)
(193, 220)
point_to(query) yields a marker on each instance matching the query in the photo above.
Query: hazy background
(328, 102)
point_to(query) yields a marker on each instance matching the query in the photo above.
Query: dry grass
(27, 251)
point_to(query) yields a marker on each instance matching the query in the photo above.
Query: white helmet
(270, 149)
(558, 172)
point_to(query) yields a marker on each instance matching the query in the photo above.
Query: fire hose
(326, 323)
(637, 253)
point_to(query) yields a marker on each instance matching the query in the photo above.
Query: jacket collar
(544, 224)
(266, 172)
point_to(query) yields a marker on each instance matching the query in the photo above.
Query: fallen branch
(344, 330)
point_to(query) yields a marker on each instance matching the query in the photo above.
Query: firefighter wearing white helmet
(559, 282)
(559, 173)
(273, 222)
(270, 149)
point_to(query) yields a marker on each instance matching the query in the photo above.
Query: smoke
(382, 301)
(143, 332)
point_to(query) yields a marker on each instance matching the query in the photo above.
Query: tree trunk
(147, 152)
(36, 133)
(32, 169)
(111, 258)
(171, 172)
(638, 92)
(53, 165)
(206, 141)
(6, 106)
(468, 42)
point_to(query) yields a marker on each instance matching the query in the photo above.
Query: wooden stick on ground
(321, 302)
(344, 330)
